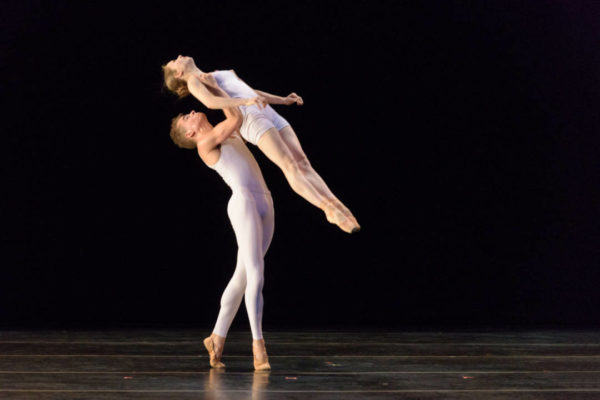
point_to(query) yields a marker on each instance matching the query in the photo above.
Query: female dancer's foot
(261, 360)
(339, 205)
(214, 345)
(337, 217)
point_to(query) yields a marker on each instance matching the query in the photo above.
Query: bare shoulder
(206, 142)
(211, 156)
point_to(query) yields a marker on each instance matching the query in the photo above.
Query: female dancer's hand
(293, 98)
(260, 101)
(208, 80)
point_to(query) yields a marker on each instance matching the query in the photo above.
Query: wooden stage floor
(172, 364)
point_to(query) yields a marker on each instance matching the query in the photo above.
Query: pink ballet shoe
(215, 361)
(261, 361)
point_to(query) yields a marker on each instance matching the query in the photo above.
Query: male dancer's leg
(234, 292)
(291, 140)
(247, 226)
(231, 299)
(268, 223)
(273, 146)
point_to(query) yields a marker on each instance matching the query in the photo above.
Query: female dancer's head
(175, 74)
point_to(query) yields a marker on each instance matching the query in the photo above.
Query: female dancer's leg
(273, 146)
(291, 140)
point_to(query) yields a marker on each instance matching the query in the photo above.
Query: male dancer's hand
(208, 79)
(293, 98)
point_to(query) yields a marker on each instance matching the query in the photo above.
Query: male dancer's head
(186, 129)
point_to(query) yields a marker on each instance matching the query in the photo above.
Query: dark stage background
(463, 135)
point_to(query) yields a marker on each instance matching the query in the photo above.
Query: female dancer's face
(181, 64)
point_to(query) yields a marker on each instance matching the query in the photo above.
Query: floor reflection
(217, 389)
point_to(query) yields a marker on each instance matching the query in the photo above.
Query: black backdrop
(463, 135)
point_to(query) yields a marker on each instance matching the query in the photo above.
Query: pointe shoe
(348, 214)
(344, 223)
(353, 219)
(215, 362)
(261, 363)
(338, 218)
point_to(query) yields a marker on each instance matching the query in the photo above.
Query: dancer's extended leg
(291, 140)
(273, 146)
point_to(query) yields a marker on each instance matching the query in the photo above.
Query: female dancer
(262, 127)
(250, 211)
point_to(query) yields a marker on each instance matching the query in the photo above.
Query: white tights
(252, 217)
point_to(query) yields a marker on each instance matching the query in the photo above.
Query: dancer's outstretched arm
(292, 98)
(200, 92)
(274, 99)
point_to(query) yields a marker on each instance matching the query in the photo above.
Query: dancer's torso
(234, 86)
(238, 168)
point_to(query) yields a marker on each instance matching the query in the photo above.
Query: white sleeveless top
(234, 86)
(238, 168)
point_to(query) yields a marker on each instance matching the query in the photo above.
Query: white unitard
(250, 211)
(256, 121)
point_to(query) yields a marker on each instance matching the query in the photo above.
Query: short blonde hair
(178, 135)
(174, 84)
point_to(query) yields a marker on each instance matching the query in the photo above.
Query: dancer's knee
(290, 166)
(304, 164)
(255, 282)
(293, 173)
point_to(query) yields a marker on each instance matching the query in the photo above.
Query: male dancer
(250, 211)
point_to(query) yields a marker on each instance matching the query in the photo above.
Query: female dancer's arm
(292, 98)
(199, 91)
(273, 99)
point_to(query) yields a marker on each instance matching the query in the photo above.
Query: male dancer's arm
(212, 85)
(221, 131)
(201, 92)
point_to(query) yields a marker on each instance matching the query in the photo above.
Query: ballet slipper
(215, 359)
(261, 360)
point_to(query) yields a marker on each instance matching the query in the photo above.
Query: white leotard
(256, 120)
(238, 168)
(250, 211)
(234, 86)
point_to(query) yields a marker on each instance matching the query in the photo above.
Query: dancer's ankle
(218, 340)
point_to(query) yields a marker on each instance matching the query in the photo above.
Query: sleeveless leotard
(256, 120)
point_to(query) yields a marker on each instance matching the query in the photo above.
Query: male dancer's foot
(214, 345)
(261, 360)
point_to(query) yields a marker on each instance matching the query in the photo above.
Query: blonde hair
(174, 84)
(178, 135)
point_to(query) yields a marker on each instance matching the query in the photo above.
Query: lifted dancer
(250, 211)
(264, 128)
